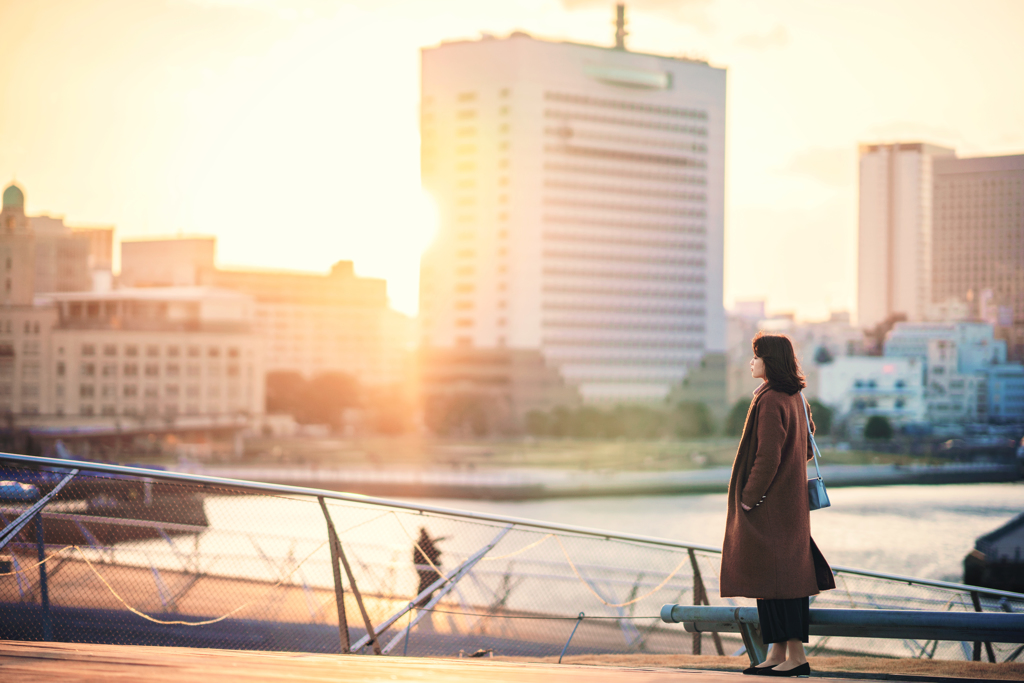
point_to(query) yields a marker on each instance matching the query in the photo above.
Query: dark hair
(781, 368)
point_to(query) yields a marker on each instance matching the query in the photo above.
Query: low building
(997, 560)
(967, 376)
(165, 351)
(310, 323)
(858, 387)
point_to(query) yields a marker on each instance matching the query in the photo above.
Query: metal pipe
(995, 627)
(282, 489)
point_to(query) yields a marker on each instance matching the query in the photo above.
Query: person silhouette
(427, 559)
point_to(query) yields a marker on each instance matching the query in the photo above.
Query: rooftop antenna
(620, 26)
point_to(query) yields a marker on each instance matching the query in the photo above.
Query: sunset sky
(288, 128)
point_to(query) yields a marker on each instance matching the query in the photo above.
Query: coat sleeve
(771, 434)
(814, 430)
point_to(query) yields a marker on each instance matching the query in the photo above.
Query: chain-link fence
(115, 558)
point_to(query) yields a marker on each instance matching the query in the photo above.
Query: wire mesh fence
(113, 558)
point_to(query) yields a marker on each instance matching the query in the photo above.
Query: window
(31, 348)
(60, 368)
(173, 351)
(109, 370)
(131, 350)
(86, 391)
(131, 370)
(173, 369)
(233, 370)
(233, 352)
(131, 390)
(192, 370)
(86, 410)
(87, 370)
(152, 391)
(59, 390)
(110, 350)
(192, 391)
(88, 350)
(108, 391)
(213, 352)
(152, 350)
(152, 370)
(108, 410)
(30, 391)
(171, 391)
(194, 352)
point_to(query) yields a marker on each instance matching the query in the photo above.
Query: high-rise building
(581, 196)
(978, 242)
(895, 231)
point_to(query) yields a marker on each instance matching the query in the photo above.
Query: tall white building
(581, 193)
(894, 271)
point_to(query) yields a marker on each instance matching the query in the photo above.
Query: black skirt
(783, 620)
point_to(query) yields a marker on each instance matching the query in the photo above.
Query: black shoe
(757, 671)
(802, 670)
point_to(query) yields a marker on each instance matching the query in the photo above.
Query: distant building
(581, 194)
(967, 376)
(63, 258)
(17, 250)
(132, 353)
(894, 271)
(309, 323)
(858, 387)
(978, 239)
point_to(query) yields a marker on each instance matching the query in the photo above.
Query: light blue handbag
(816, 493)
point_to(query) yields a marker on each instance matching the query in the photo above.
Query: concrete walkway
(30, 662)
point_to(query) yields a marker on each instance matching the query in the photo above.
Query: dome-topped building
(14, 197)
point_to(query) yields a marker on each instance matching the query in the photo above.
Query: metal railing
(132, 557)
(991, 627)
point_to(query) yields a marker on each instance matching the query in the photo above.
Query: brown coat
(768, 551)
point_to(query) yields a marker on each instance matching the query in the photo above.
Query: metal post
(578, 620)
(339, 589)
(977, 644)
(700, 596)
(336, 546)
(44, 592)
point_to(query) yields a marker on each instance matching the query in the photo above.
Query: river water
(920, 531)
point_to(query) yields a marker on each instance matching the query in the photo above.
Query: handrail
(286, 489)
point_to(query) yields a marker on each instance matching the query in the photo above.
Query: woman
(768, 553)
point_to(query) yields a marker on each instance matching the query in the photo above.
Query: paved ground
(29, 662)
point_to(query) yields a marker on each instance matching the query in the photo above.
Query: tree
(737, 417)
(692, 419)
(878, 428)
(327, 396)
(285, 389)
(822, 416)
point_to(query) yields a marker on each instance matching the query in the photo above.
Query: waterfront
(921, 531)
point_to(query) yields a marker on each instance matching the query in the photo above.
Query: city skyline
(235, 119)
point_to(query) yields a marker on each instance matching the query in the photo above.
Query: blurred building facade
(894, 271)
(941, 238)
(978, 240)
(309, 323)
(967, 375)
(63, 259)
(858, 387)
(581, 193)
(130, 353)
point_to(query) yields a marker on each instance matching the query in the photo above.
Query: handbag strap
(810, 434)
